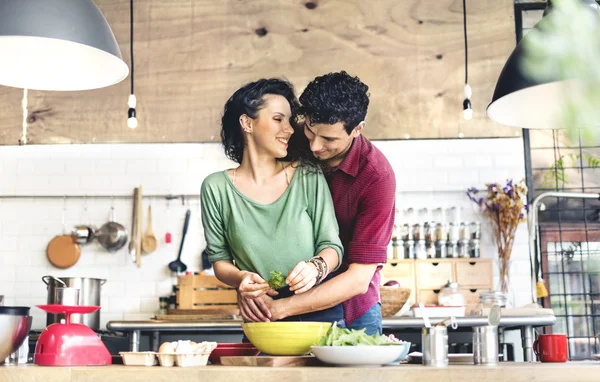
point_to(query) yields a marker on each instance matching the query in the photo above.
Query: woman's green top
(269, 237)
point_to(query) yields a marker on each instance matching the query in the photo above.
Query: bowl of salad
(347, 347)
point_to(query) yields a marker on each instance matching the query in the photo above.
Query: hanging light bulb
(467, 110)
(132, 121)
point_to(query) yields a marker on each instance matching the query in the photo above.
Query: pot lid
(14, 310)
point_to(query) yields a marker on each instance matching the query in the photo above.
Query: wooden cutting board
(205, 311)
(270, 361)
(198, 317)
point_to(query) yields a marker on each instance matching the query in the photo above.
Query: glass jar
(450, 295)
(489, 298)
(475, 228)
(163, 303)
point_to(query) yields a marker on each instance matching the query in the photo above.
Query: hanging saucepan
(63, 251)
(112, 235)
(83, 234)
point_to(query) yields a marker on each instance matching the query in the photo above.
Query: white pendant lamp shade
(57, 45)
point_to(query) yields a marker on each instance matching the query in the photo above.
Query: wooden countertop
(513, 372)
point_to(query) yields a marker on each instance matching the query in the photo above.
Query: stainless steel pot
(89, 294)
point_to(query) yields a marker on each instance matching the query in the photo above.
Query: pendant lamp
(521, 101)
(57, 45)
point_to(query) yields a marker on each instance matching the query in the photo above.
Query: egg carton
(197, 357)
(145, 358)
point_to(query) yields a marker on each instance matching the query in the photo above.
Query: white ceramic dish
(145, 358)
(359, 355)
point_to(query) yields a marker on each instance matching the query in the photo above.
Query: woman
(274, 212)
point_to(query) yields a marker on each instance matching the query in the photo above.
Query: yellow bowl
(285, 338)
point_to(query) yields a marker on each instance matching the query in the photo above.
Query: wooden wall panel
(191, 55)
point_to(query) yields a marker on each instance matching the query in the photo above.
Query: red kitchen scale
(70, 344)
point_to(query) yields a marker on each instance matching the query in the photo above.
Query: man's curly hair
(335, 97)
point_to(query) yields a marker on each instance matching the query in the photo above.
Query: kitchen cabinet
(427, 277)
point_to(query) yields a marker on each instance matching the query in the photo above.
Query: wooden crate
(204, 292)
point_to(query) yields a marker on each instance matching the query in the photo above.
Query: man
(363, 187)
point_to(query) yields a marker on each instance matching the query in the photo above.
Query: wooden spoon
(149, 240)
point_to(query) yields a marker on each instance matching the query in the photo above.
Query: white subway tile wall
(432, 173)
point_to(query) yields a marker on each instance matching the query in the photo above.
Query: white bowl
(359, 355)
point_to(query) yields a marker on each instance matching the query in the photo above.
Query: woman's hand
(253, 286)
(302, 277)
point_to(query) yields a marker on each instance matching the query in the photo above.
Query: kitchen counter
(525, 323)
(514, 372)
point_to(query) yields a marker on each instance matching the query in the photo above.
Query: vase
(504, 286)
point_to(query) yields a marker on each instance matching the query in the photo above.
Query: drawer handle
(472, 262)
(473, 290)
(435, 264)
(436, 291)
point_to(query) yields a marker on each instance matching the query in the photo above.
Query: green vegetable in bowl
(337, 336)
(276, 281)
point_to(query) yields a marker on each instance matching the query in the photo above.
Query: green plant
(567, 46)
(556, 177)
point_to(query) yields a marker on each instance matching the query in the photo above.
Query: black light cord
(131, 41)
(132, 121)
(465, 36)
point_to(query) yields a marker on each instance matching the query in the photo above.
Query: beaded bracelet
(319, 268)
(322, 268)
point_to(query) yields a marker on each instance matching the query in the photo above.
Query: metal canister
(409, 249)
(435, 346)
(463, 249)
(441, 250)
(474, 248)
(420, 250)
(452, 250)
(485, 345)
(406, 233)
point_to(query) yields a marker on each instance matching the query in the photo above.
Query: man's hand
(253, 286)
(255, 310)
(302, 277)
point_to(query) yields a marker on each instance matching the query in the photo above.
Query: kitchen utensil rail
(81, 196)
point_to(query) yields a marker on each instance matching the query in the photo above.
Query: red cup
(551, 348)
